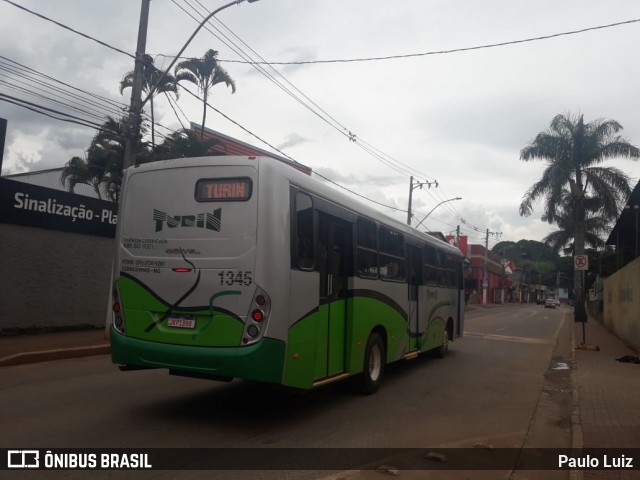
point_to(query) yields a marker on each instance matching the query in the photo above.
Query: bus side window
(392, 255)
(304, 231)
(367, 249)
(430, 268)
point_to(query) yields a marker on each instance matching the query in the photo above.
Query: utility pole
(410, 199)
(133, 131)
(485, 273)
(412, 186)
(485, 278)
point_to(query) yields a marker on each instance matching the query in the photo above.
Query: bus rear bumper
(261, 362)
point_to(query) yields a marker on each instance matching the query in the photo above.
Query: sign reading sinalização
(35, 206)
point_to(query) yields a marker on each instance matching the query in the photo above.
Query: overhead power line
(314, 108)
(65, 117)
(452, 50)
(25, 70)
(287, 87)
(70, 29)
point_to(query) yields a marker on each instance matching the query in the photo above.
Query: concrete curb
(58, 354)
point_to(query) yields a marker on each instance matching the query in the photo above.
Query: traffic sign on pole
(581, 262)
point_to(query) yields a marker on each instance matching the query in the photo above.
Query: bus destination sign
(227, 189)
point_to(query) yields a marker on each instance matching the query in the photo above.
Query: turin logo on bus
(210, 221)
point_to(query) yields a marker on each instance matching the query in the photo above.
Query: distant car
(549, 303)
(571, 303)
(557, 302)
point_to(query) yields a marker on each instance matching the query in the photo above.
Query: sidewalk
(606, 392)
(41, 347)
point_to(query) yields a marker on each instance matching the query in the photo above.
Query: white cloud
(460, 118)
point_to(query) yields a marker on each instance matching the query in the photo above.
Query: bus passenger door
(334, 246)
(414, 272)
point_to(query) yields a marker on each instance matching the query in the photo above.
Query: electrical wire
(453, 50)
(43, 110)
(326, 117)
(330, 120)
(89, 37)
(288, 156)
(35, 94)
(25, 69)
(239, 51)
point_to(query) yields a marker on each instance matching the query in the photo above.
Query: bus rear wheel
(441, 351)
(374, 360)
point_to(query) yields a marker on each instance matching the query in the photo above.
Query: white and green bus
(244, 267)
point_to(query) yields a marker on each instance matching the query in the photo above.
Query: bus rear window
(223, 190)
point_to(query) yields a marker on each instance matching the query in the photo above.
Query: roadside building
(57, 246)
(495, 283)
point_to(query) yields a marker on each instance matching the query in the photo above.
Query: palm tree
(104, 160)
(595, 225)
(204, 72)
(150, 76)
(80, 170)
(574, 152)
(185, 143)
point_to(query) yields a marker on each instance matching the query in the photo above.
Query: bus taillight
(118, 315)
(257, 317)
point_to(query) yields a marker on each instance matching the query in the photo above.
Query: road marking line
(507, 338)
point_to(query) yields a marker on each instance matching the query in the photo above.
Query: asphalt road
(485, 391)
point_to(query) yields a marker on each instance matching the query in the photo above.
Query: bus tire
(374, 360)
(441, 351)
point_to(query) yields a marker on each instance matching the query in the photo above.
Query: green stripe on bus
(219, 330)
(260, 362)
(308, 353)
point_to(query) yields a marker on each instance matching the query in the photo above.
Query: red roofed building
(233, 146)
(496, 282)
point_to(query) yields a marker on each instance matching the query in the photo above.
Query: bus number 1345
(231, 277)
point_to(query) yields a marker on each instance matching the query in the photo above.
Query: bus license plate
(181, 322)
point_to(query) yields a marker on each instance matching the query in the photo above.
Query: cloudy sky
(460, 118)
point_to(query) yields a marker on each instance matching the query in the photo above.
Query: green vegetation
(150, 77)
(575, 179)
(101, 167)
(206, 73)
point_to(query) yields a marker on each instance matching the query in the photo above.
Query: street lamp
(444, 201)
(136, 104)
(202, 24)
(412, 186)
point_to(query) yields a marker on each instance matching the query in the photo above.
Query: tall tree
(150, 77)
(79, 171)
(204, 72)
(574, 153)
(596, 225)
(104, 159)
